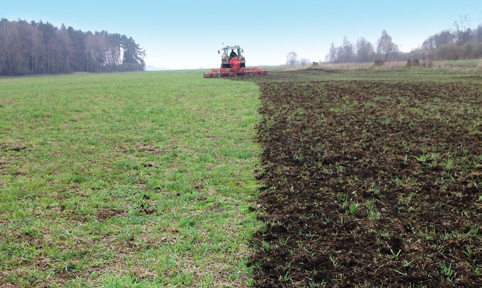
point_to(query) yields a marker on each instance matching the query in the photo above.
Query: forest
(459, 43)
(41, 48)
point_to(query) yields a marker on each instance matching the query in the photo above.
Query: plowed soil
(370, 184)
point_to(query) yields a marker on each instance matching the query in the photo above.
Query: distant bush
(467, 51)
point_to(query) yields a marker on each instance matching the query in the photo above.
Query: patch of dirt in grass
(12, 148)
(144, 148)
(370, 184)
(146, 209)
(8, 155)
(106, 214)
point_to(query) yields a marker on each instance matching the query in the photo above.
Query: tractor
(233, 63)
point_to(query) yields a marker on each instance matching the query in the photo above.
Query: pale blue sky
(187, 34)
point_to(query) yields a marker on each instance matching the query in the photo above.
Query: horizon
(188, 34)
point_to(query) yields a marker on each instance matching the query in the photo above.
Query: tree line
(457, 44)
(363, 51)
(41, 48)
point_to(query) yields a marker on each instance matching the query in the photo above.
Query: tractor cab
(229, 53)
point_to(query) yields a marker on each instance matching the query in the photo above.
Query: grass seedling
(335, 263)
(422, 158)
(282, 241)
(374, 215)
(467, 250)
(394, 255)
(352, 210)
(408, 263)
(447, 271)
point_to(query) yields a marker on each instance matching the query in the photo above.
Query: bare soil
(369, 184)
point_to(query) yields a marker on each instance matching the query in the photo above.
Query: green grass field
(136, 179)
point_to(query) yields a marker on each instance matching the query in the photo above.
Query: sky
(185, 34)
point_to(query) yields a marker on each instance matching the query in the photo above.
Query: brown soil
(369, 184)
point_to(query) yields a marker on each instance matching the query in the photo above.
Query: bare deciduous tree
(292, 58)
(462, 31)
(347, 52)
(331, 57)
(305, 61)
(364, 50)
(438, 40)
(385, 45)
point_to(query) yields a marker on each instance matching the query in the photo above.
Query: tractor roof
(232, 47)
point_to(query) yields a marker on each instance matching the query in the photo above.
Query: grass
(458, 63)
(127, 180)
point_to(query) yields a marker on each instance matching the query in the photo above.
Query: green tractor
(230, 53)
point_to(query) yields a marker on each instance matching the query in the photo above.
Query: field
(127, 180)
(370, 180)
(311, 178)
